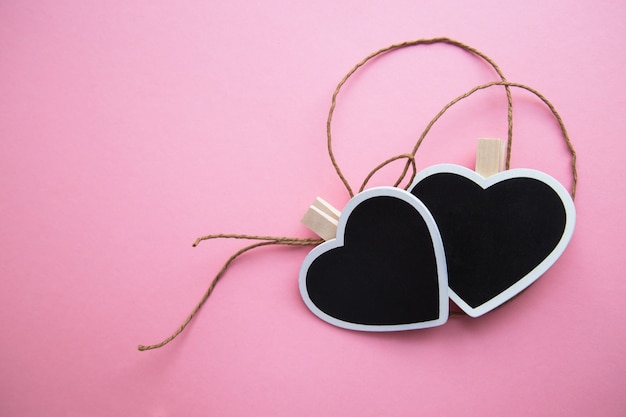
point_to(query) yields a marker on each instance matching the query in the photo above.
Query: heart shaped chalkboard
(500, 233)
(385, 270)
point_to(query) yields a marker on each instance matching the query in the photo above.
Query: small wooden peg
(322, 218)
(490, 156)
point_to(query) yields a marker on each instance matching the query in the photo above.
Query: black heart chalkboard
(384, 271)
(500, 233)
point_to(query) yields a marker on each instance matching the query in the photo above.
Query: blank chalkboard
(384, 271)
(499, 233)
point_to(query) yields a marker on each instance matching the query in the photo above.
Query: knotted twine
(410, 162)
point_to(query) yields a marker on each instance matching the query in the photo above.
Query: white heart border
(484, 183)
(339, 242)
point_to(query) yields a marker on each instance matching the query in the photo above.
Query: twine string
(507, 84)
(265, 241)
(411, 162)
(394, 47)
(294, 241)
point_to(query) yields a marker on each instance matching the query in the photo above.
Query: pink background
(130, 128)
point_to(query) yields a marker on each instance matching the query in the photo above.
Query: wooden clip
(490, 156)
(322, 218)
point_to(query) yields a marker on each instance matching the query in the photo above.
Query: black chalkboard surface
(385, 270)
(500, 233)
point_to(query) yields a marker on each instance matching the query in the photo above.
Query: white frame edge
(532, 276)
(442, 272)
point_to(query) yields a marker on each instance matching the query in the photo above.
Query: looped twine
(401, 45)
(503, 82)
(507, 84)
(410, 163)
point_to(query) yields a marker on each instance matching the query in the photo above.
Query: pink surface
(130, 128)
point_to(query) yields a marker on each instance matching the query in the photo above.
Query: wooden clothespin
(322, 218)
(490, 156)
